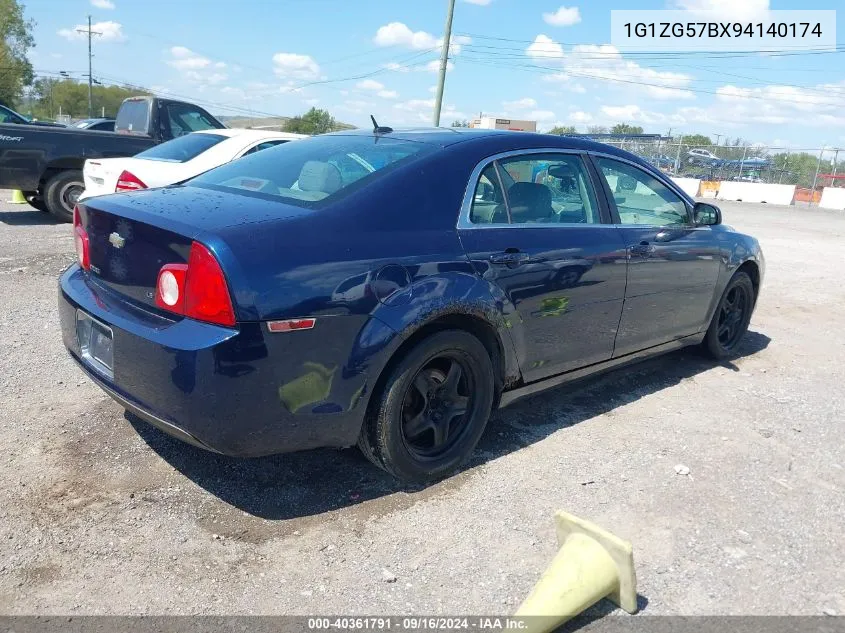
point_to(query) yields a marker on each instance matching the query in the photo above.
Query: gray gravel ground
(104, 515)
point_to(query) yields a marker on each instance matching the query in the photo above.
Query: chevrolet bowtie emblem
(116, 240)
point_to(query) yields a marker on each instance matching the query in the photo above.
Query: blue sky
(537, 59)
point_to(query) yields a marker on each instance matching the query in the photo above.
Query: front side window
(8, 116)
(309, 171)
(538, 189)
(640, 198)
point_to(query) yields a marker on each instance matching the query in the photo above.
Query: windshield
(182, 149)
(314, 170)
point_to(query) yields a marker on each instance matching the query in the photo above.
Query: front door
(673, 265)
(535, 232)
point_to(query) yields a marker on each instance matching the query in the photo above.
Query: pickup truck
(45, 163)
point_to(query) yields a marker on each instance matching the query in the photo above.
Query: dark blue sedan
(391, 289)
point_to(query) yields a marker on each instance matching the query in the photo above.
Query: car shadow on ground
(313, 482)
(27, 216)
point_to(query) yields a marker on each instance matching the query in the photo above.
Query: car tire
(731, 318)
(35, 201)
(419, 437)
(61, 193)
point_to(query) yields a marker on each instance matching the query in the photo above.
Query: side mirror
(705, 214)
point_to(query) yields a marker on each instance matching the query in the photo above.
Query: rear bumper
(236, 391)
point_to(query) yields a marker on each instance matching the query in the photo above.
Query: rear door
(533, 227)
(673, 265)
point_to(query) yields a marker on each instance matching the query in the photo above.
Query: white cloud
(293, 65)
(481, 3)
(564, 16)
(579, 116)
(415, 111)
(434, 66)
(544, 47)
(520, 104)
(109, 32)
(733, 9)
(186, 59)
(369, 84)
(102, 4)
(398, 68)
(605, 63)
(375, 86)
(633, 113)
(311, 102)
(399, 34)
(541, 115)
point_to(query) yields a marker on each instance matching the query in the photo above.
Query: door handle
(509, 258)
(643, 249)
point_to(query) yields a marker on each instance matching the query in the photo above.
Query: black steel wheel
(433, 408)
(62, 192)
(732, 316)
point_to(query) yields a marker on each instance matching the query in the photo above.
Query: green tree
(15, 41)
(624, 128)
(563, 129)
(798, 168)
(596, 129)
(70, 97)
(312, 122)
(460, 123)
(696, 140)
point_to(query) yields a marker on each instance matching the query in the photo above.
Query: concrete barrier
(688, 185)
(756, 192)
(833, 198)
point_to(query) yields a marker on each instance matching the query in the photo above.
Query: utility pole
(816, 177)
(718, 136)
(89, 32)
(444, 61)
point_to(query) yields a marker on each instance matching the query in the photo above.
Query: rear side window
(182, 149)
(313, 171)
(263, 146)
(133, 117)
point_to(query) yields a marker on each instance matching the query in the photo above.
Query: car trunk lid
(131, 236)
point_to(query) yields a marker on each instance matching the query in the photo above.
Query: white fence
(756, 192)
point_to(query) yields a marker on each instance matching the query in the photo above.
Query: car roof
(251, 134)
(497, 140)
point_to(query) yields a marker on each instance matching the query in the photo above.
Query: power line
(537, 68)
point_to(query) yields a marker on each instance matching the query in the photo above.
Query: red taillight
(127, 181)
(80, 239)
(291, 325)
(197, 289)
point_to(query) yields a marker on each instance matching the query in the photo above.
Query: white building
(492, 123)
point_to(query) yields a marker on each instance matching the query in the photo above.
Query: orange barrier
(708, 188)
(807, 195)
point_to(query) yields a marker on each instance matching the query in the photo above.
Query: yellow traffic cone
(591, 564)
(17, 197)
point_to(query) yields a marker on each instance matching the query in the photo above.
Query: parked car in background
(7, 115)
(176, 160)
(703, 157)
(46, 163)
(391, 288)
(100, 125)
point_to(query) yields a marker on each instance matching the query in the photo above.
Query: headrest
(533, 195)
(319, 176)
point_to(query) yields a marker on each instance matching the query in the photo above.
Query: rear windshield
(133, 117)
(314, 170)
(182, 149)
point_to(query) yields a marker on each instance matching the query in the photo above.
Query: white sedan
(177, 160)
